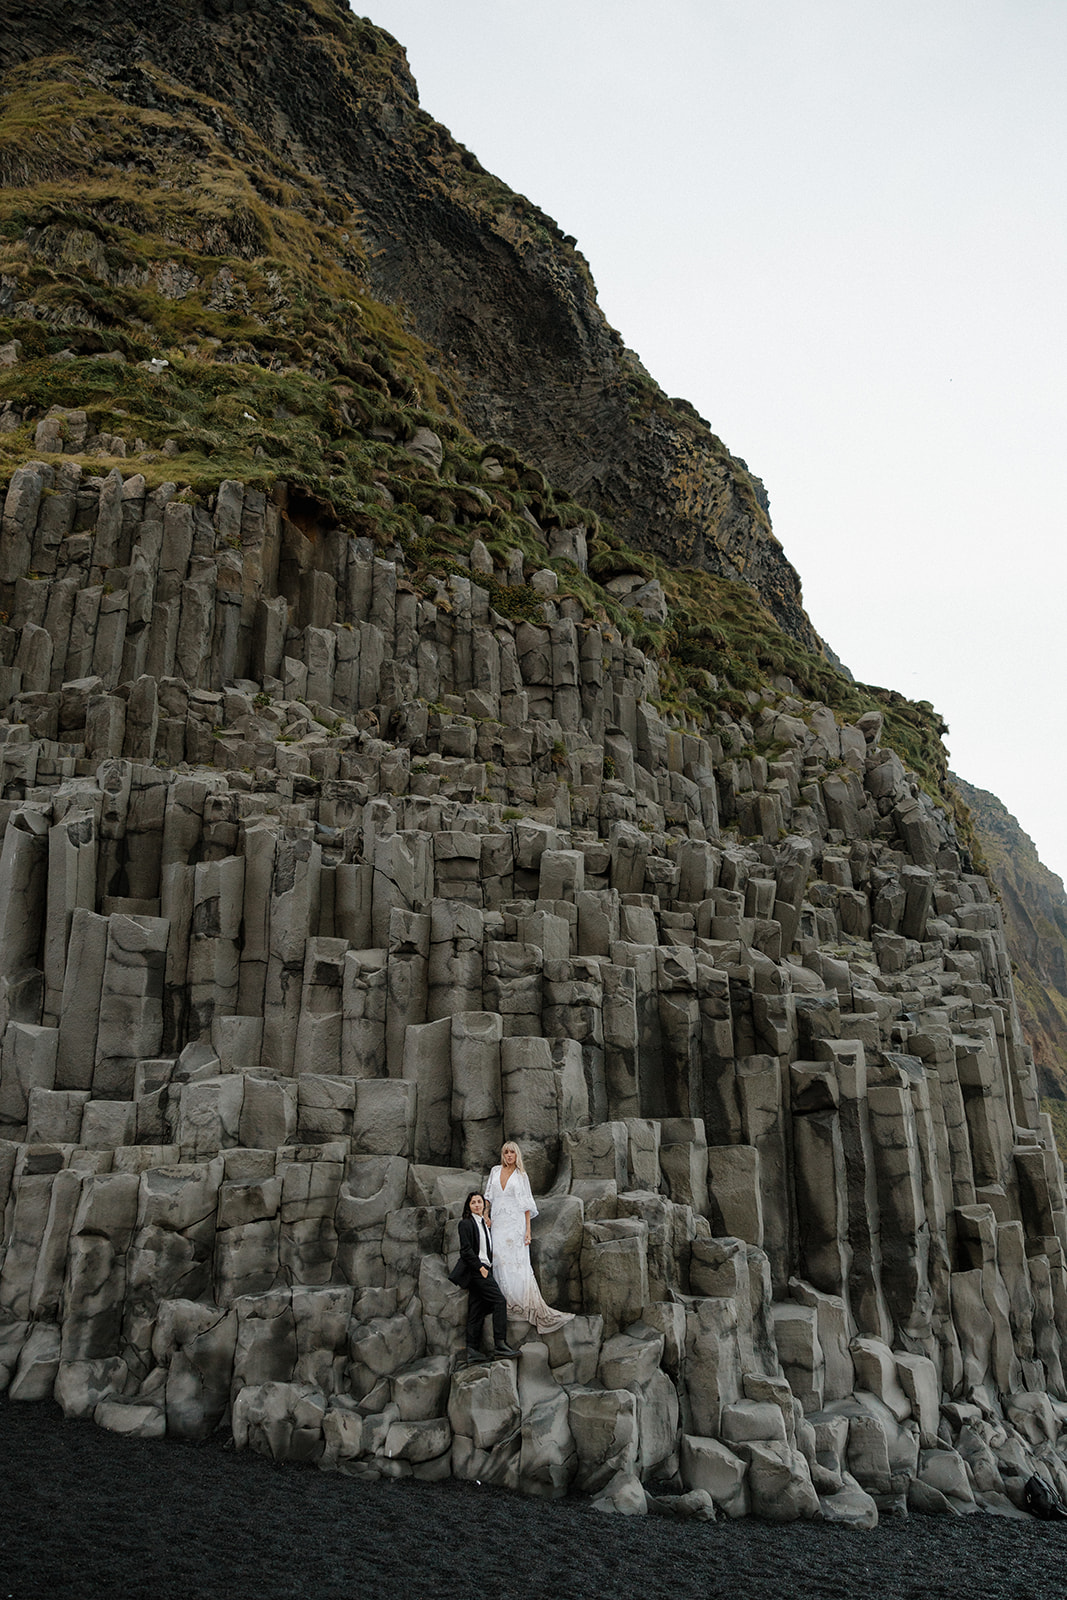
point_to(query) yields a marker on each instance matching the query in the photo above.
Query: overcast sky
(838, 228)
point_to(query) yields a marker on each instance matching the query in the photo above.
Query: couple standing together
(494, 1257)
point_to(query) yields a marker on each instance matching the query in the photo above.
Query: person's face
(507, 1156)
(477, 1205)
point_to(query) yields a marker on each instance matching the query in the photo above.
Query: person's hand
(484, 1271)
(527, 1239)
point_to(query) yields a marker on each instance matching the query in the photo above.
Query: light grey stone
(484, 1404)
(280, 1420)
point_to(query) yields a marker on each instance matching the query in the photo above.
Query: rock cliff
(1035, 924)
(368, 798)
(488, 279)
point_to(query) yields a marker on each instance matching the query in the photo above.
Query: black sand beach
(86, 1514)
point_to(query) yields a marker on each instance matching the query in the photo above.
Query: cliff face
(1035, 922)
(366, 799)
(488, 280)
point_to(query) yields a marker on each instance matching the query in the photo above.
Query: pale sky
(838, 228)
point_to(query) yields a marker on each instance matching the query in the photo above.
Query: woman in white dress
(513, 1208)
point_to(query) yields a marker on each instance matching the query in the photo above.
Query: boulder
(280, 1420)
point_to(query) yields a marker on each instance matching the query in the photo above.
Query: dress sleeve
(488, 1190)
(531, 1203)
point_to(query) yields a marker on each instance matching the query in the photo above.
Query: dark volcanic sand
(90, 1516)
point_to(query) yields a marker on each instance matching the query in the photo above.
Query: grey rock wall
(314, 888)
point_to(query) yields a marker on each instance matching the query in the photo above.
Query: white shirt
(484, 1252)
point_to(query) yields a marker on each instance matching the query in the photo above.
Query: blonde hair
(509, 1144)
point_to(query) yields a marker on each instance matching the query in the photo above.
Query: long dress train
(511, 1255)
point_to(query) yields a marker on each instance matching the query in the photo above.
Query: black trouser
(483, 1297)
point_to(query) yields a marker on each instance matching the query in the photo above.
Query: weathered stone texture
(313, 891)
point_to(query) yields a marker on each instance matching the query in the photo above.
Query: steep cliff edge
(1035, 922)
(487, 278)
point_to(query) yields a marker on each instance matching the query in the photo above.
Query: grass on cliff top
(181, 134)
(227, 420)
(144, 225)
(139, 232)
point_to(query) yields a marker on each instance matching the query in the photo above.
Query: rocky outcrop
(364, 800)
(488, 280)
(315, 887)
(1035, 924)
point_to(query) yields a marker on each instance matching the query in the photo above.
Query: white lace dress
(511, 1255)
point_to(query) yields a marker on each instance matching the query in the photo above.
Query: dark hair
(467, 1203)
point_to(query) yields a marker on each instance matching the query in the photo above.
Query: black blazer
(469, 1266)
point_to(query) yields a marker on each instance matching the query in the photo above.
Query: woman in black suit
(474, 1272)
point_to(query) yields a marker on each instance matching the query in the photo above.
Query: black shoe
(474, 1355)
(503, 1350)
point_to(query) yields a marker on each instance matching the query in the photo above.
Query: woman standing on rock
(513, 1209)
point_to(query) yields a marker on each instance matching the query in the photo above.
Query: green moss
(428, 557)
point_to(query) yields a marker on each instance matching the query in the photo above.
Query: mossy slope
(483, 273)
